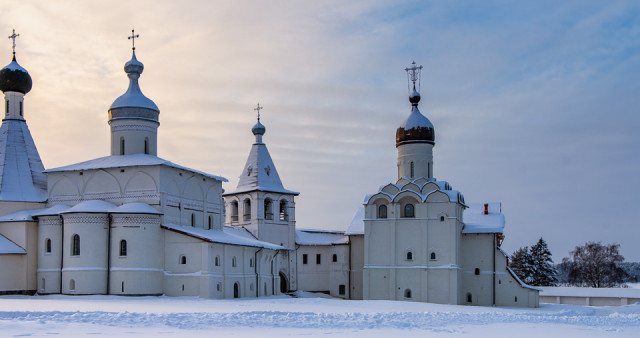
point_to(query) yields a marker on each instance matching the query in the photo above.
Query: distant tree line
(590, 265)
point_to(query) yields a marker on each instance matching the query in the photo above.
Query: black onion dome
(416, 128)
(14, 78)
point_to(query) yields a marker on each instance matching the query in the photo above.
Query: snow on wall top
(116, 161)
(590, 292)
(21, 170)
(260, 173)
(476, 222)
(7, 247)
(320, 237)
(92, 206)
(228, 235)
(356, 227)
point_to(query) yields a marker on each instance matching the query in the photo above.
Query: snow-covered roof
(356, 227)
(21, 177)
(416, 120)
(23, 215)
(54, 210)
(476, 222)
(590, 292)
(228, 235)
(320, 237)
(117, 161)
(135, 208)
(91, 206)
(513, 274)
(8, 247)
(260, 172)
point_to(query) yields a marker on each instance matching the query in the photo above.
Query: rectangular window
(318, 259)
(304, 258)
(20, 108)
(341, 289)
(335, 258)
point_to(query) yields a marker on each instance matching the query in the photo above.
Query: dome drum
(415, 135)
(133, 113)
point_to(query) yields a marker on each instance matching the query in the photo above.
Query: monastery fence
(590, 296)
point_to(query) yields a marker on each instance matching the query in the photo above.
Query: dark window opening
(408, 210)
(382, 211)
(193, 220)
(304, 259)
(318, 259)
(477, 271)
(122, 146)
(407, 293)
(75, 245)
(469, 298)
(209, 224)
(123, 248)
(335, 258)
(411, 165)
(342, 289)
(268, 210)
(409, 256)
(47, 245)
(433, 256)
(247, 209)
(234, 211)
(146, 145)
(183, 259)
(284, 213)
(441, 218)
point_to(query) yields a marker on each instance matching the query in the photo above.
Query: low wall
(590, 296)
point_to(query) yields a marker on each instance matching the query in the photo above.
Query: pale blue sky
(535, 104)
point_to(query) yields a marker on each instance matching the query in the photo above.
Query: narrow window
(382, 211)
(469, 298)
(72, 285)
(193, 219)
(6, 112)
(233, 262)
(304, 259)
(477, 271)
(409, 255)
(47, 245)
(123, 248)
(284, 213)
(268, 210)
(499, 281)
(408, 210)
(122, 287)
(335, 258)
(411, 165)
(432, 256)
(441, 218)
(265, 289)
(20, 108)
(342, 289)
(217, 261)
(121, 145)
(219, 287)
(183, 259)
(429, 170)
(407, 293)
(183, 287)
(209, 223)
(146, 145)
(75, 245)
(43, 285)
(250, 262)
(516, 299)
(234, 211)
(247, 209)
(318, 259)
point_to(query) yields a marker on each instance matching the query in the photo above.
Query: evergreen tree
(521, 262)
(544, 273)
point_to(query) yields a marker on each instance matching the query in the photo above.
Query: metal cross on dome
(133, 38)
(414, 73)
(258, 107)
(13, 37)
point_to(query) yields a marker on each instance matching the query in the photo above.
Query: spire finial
(413, 73)
(13, 37)
(258, 107)
(132, 38)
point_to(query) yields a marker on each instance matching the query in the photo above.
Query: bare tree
(595, 265)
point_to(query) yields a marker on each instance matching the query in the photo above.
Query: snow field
(71, 316)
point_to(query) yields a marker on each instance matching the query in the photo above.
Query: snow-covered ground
(79, 316)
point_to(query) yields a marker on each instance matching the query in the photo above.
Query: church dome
(133, 97)
(258, 129)
(416, 128)
(14, 78)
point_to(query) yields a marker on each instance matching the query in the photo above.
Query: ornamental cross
(413, 72)
(13, 37)
(258, 109)
(133, 38)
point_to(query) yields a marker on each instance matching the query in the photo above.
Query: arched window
(382, 211)
(408, 210)
(123, 248)
(209, 223)
(72, 285)
(146, 145)
(193, 219)
(411, 169)
(75, 245)
(409, 255)
(47, 245)
(234, 211)
(247, 209)
(441, 218)
(477, 271)
(183, 259)
(233, 262)
(284, 212)
(268, 209)
(469, 298)
(121, 145)
(236, 290)
(407, 293)
(432, 256)
(217, 261)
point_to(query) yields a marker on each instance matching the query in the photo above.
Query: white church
(132, 223)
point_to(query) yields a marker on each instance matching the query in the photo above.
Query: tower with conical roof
(263, 206)
(21, 170)
(415, 138)
(133, 117)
